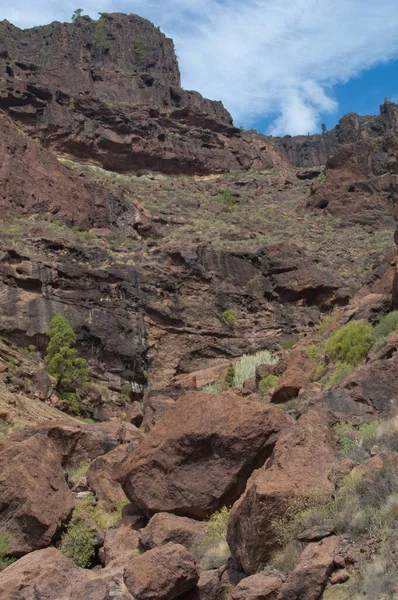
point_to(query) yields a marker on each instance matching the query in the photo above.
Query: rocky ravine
(196, 244)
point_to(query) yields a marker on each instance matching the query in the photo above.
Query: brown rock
(102, 477)
(162, 573)
(165, 527)
(294, 471)
(296, 377)
(84, 442)
(34, 497)
(199, 456)
(120, 544)
(340, 577)
(154, 410)
(44, 574)
(135, 414)
(310, 575)
(258, 587)
(315, 534)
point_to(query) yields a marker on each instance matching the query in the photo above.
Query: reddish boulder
(45, 574)
(258, 587)
(302, 460)
(165, 527)
(102, 477)
(34, 497)
(135, 414)
(162, 573)
(312, 571)
(81, 442)
(198, 458)
(120, 544)
(154, 410)
(296, 377)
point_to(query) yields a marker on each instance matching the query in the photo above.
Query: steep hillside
(215, 417)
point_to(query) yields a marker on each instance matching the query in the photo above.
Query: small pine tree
(61, 357)
(324, 128)
(78, 13)
(99, 35)
(230, 377)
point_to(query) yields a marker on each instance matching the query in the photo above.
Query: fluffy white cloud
(262, 58)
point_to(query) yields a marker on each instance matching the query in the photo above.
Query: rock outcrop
(293, 472)
(199, 456)
(109, 91)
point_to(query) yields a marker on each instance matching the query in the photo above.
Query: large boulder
(80, 442)
(296, 377)
(162, 573)
(302, 459)
(311, 573)
(34, 497)
(45, 574)
(258, 587)
(199, 457)
(165, 527)
(102, 477)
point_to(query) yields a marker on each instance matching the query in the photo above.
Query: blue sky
(282, 66)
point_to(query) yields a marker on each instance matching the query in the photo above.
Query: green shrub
(73, 403)
(340, 371)
(212, 550)
(326, 324)
(229, 318)
(79, 472)
(350, 343)
(386, 325)
(230, 376)
(267, 383)
(245, 368)
(99, 35)
(78, 543)
(61, 357)
(313, 351)
(287, 342)
(5, 558)
(228, 198)
(213, 388)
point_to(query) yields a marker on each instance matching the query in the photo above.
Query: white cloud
(260, 57)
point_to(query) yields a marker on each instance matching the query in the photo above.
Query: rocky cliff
(109, 91)
(233, 300)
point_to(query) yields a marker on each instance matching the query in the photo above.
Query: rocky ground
(226, 446)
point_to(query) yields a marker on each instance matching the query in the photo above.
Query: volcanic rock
(34, 497)
(312, 571)
(164, 528)
(162, 573)
(293, 472)
(258, 587)
(199, 456)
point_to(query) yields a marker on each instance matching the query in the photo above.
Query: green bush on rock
(350, 343)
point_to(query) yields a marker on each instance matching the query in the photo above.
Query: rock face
(198, 458)
(110, 91)
(294, 471)
(34, 182)
(162, 573)
(296, 376)
(310, 575)
(34, 497)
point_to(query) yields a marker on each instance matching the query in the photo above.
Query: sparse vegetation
(79, 472)
(386, 325)
(5, 558)
(77, 14)
(287, 342)
(229, 318)
(99, 35)
(267, 383)
(212, 550)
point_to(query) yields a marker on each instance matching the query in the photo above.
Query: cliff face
(110, 91)
(315, 150)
